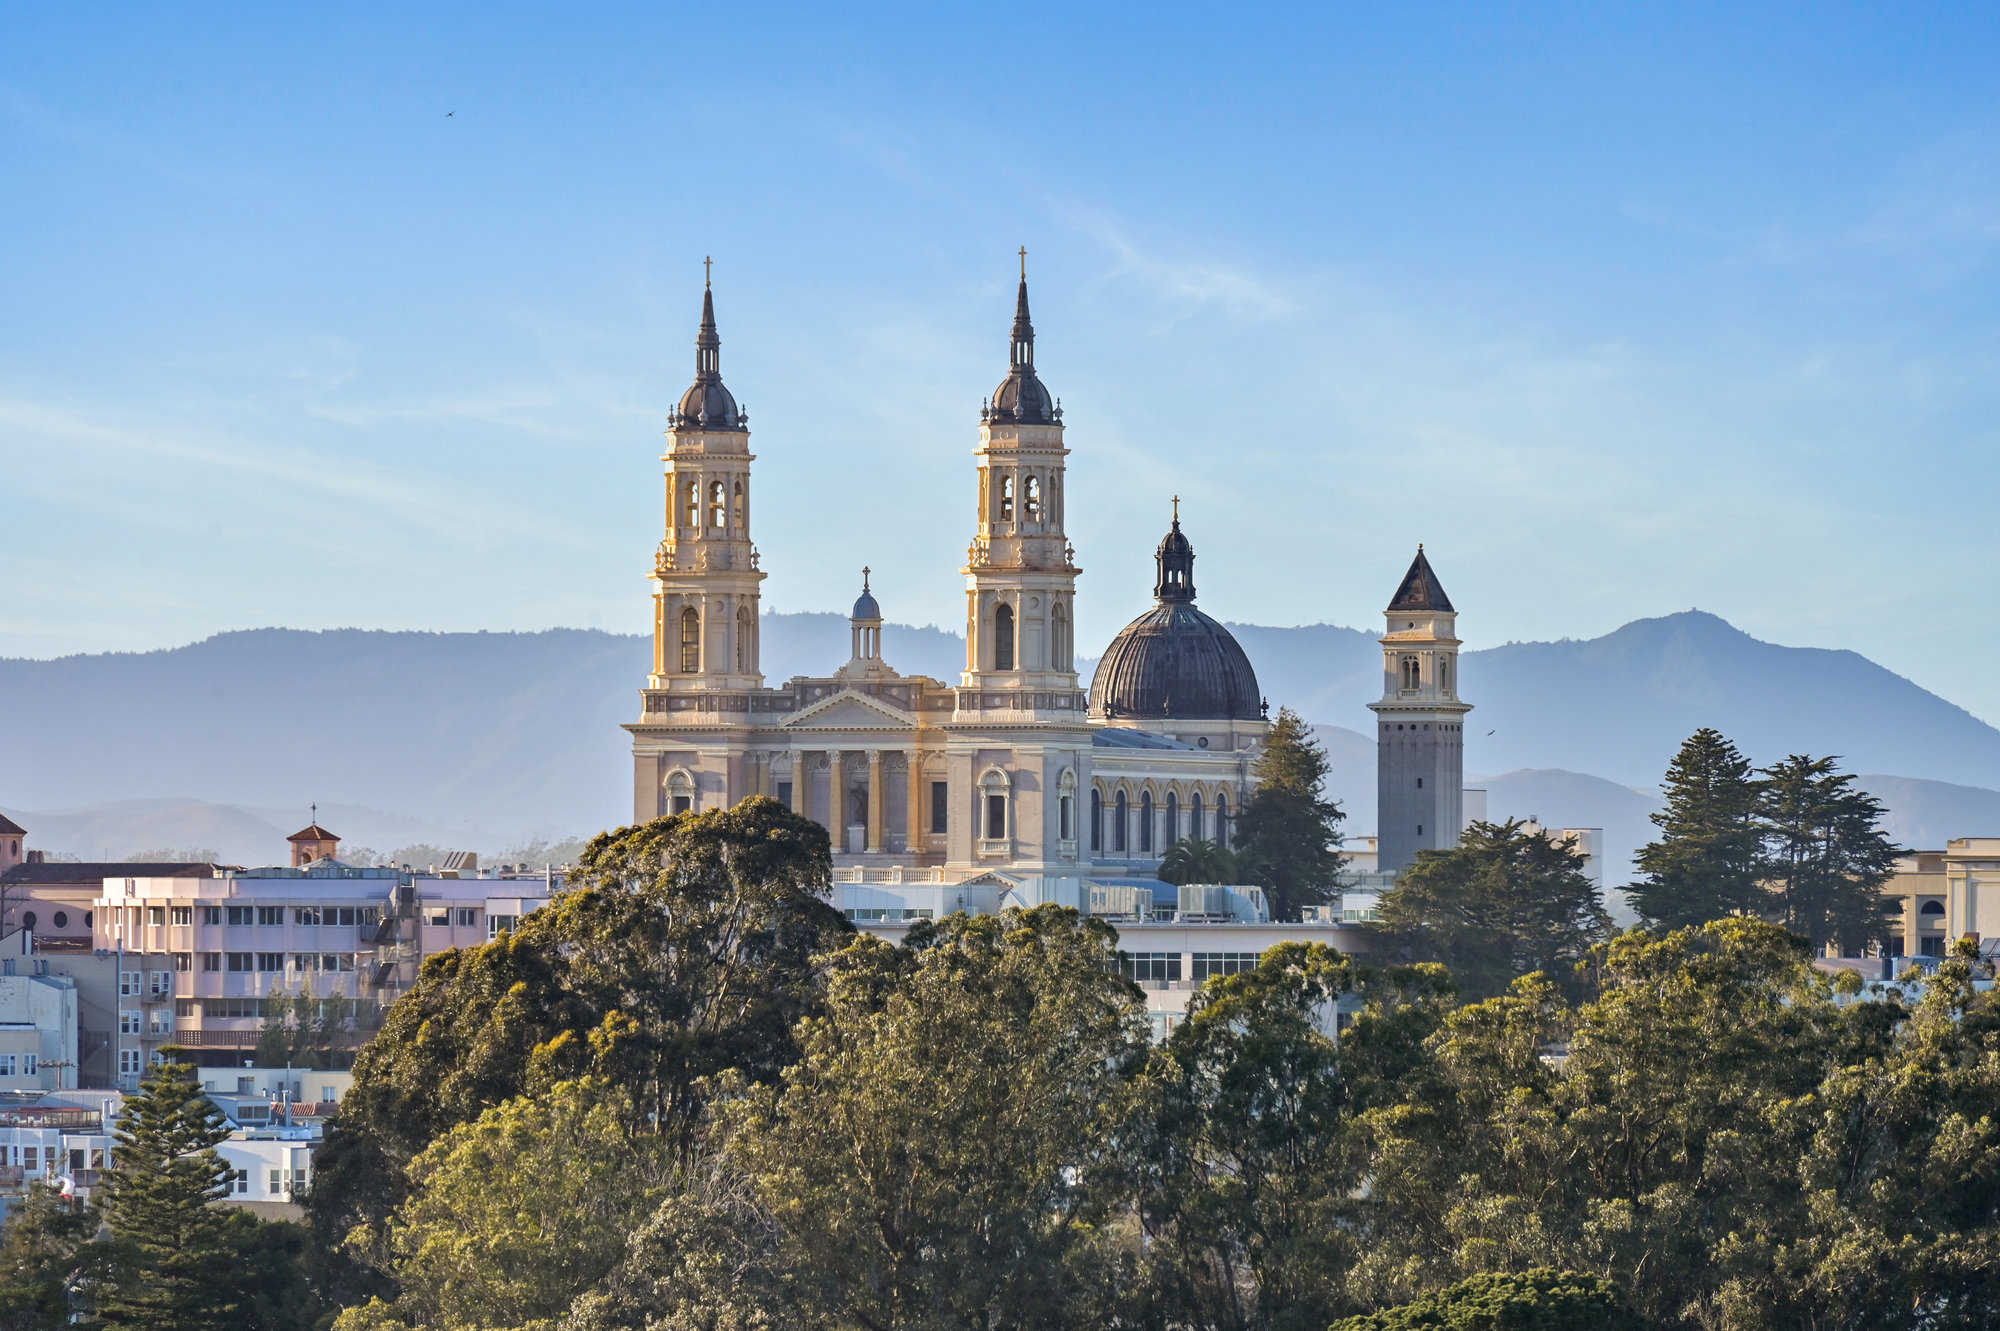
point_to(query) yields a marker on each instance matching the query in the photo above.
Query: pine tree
(1288, 835)
(1709, 858)
(1827, 856)
(48, 1262)
(173, 1261)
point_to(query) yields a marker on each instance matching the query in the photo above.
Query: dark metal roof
(1174, 663)
(8, 827)
(312, 833)
(1420, 589)
(707, 405)
(41, 871)
(1021, 399)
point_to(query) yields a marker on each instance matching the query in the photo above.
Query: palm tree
(1194, 861)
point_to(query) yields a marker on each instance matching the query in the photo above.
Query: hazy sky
(374, 320)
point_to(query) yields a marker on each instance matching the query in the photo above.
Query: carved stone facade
(1001, 783)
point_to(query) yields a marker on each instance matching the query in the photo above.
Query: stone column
(919, 801)
(878, 805)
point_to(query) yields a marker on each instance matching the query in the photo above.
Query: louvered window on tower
(1006, 499)
(690, 641)
(1003, 637)
(1032, 500)
(718, 515)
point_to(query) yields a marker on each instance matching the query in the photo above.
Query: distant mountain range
(486, 740)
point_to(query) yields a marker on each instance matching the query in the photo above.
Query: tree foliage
(1288, 832)
(1197, 860)
(1536, 1300)
(173, 1264)
(1709, 860)
(49, 1263)
(1505, 902)
(684, 948)
(1827, 855)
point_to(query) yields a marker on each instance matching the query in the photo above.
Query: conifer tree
(1288, 834)
(173, 1259)
(1708, 861)
(48, 1262)
(1827, 855)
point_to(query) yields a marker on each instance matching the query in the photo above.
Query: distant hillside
(493, 738)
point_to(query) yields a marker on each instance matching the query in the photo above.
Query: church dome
(864, 605)
(1174, 662)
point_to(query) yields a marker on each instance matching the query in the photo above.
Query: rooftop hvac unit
(1205, 901)
(1121, 900)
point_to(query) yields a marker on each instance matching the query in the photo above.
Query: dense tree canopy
(1827, 856)
(1504, 902)
(1288, 833)
(683, 949)
(1537, 1300)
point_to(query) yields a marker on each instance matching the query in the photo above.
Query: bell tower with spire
(705, 576)
(1020, 573)
(1420, 730)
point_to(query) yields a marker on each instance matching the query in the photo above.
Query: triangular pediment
(849, 710)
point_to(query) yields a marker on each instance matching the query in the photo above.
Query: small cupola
(864, 627)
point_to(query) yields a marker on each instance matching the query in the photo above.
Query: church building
(1013, 784)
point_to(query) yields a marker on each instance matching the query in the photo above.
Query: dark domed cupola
(1174, 663)
(1020, 399)
(707, 405)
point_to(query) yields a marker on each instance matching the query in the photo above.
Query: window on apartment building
(129, 1021)
(1154, 966)
(128, 1062)
(211, 961)
(1223, 963)
(183, 961)
(156, 914)
(277, 1181)
(162, 983)
(270, 914)
(496, 924)
(242, 915)
(181, 914)
(29, 1062)
(367, 916)
(270, 961)
(186, 1009)
(160, 1021)
(306, 915)
(336, 961)
(305, 961)
(242, 1181)
(7, 1065)
(211, 915)
(467, 917)
(340, 915)
(439, 917)
(31, 1157)
(129, 983)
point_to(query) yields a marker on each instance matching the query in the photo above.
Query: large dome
(707, 405)
(1174, 663)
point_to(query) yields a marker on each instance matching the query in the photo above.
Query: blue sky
(1620, 310)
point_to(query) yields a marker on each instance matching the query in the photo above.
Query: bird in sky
(449, 114)
(1492, 732)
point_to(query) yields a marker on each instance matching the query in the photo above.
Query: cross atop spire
(1177, 513)
(1024, 263)
(864, 577)
(707, 272)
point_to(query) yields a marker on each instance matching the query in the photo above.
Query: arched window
(1194, 816)
(718, 511)
(993, 789)
(692, 516)
(746, 628)
(680, 791)
(1146, 823)
(1096, 819)
(1031, 499)
(736, 506)
(1222, 820)
(1444, 675)
(1173, 819)
(690, 641)
(1059, 635)
(1066, 807)
(1006, 499)
(1410, 672)
(1003, 637)
(28, 920)
(1118, 833)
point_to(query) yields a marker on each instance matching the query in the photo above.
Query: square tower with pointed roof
(1420, 730)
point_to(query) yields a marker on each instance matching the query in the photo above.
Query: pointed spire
(1024, 330)
(1021, 399)
(707, 343)
(708, 405)
(1420, 589)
